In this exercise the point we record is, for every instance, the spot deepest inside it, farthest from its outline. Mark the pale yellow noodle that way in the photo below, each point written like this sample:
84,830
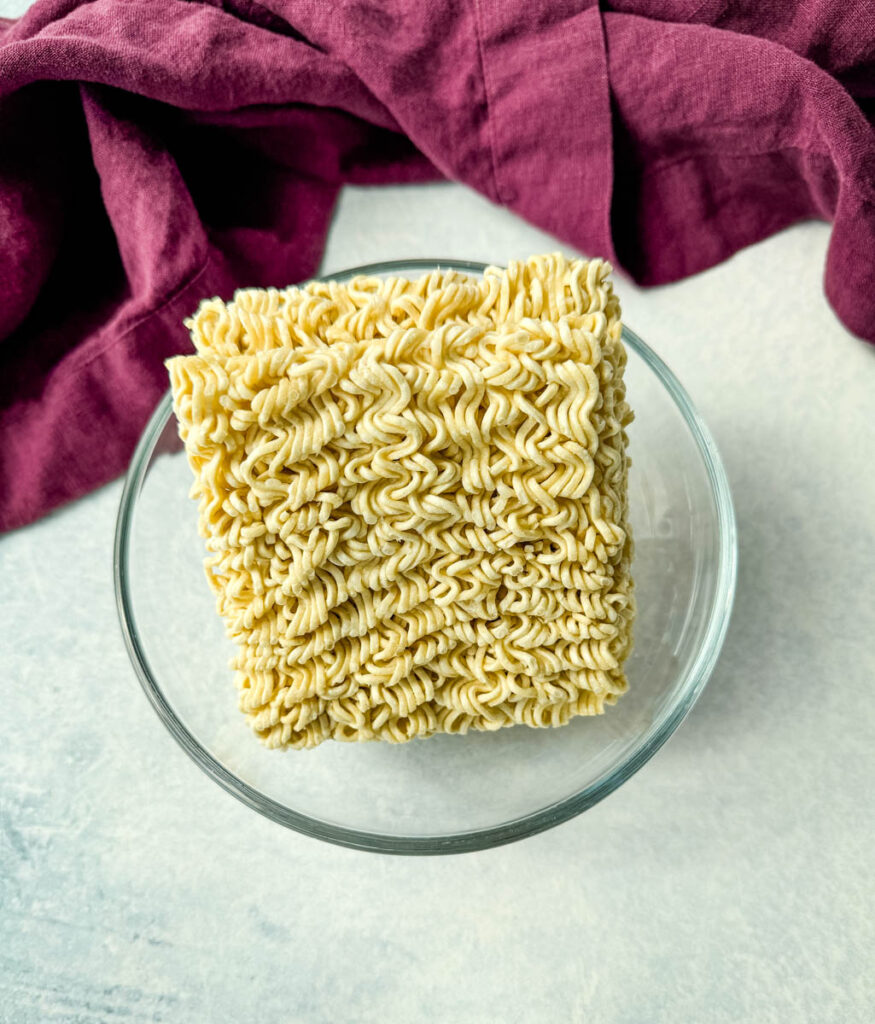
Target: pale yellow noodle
414,499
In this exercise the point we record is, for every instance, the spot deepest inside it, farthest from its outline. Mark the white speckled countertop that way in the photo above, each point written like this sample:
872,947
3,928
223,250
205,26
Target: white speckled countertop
730,880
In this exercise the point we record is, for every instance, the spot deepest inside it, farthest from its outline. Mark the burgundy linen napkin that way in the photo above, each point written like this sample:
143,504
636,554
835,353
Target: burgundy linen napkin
154,152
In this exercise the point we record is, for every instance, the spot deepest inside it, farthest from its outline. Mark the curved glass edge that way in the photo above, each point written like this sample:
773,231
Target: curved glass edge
518,828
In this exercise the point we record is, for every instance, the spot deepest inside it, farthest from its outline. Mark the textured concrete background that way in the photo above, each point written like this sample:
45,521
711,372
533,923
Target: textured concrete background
729,881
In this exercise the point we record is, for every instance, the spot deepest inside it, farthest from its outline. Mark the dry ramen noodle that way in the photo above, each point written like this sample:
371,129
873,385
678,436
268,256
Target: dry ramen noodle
413,495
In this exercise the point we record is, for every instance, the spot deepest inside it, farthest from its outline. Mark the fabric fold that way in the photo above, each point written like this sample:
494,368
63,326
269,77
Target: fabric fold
550,128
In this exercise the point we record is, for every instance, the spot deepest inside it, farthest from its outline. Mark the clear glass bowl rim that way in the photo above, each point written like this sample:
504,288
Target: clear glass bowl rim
538,821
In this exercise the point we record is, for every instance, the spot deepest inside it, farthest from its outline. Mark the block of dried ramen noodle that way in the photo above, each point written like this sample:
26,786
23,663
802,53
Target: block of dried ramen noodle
414,499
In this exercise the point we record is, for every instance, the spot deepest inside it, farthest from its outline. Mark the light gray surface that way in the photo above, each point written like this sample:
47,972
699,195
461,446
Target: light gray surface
14,8
729,881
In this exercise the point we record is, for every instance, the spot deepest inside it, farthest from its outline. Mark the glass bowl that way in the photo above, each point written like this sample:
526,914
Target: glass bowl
446,794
